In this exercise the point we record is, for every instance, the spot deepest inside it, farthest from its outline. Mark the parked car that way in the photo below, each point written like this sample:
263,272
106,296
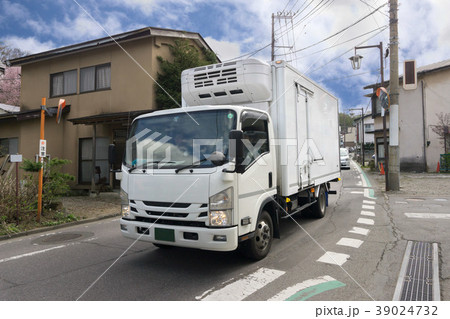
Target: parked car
345,158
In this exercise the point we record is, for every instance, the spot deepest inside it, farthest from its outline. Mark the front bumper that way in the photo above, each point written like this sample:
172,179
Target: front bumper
217,239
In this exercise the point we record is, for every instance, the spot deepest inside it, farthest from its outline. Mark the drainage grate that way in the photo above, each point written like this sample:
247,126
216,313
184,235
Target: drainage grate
419,278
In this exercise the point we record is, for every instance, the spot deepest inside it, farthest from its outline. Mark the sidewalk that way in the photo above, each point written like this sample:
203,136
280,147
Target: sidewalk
418,212
415,184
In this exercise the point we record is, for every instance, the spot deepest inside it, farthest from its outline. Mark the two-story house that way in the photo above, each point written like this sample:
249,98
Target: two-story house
106,83
419,109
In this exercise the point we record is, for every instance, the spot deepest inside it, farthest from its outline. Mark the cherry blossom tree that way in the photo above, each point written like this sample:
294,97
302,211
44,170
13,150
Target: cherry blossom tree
10,81
10,86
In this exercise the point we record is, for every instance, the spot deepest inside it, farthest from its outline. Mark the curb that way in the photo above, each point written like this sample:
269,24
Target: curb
47,228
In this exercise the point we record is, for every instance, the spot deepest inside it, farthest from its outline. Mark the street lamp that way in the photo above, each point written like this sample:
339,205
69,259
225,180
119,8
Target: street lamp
356,61
363,131
356,64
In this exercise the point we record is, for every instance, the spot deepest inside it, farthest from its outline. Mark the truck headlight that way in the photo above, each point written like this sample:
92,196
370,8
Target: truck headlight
125,205
221,208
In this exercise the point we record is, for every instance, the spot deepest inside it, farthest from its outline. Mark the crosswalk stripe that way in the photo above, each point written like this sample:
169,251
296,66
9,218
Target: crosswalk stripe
359,231
350,242
244,287
366,221
366,213
334,258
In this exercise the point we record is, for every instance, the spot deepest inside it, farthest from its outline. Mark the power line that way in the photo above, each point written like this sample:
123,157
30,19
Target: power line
343,30
349,40
345,52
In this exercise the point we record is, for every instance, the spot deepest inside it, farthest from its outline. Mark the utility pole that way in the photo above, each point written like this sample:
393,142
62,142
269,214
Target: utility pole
279,16
273,38
394,158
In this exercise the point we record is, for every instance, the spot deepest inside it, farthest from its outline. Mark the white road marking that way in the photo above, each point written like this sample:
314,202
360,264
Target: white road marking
427,215
288,292
31,254
366,213
366,221
244,287
368,207
359,231
369,202
350,242
334,258
368,195
356,192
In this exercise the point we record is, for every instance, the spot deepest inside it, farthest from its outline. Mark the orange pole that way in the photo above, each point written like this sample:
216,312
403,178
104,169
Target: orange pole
41,159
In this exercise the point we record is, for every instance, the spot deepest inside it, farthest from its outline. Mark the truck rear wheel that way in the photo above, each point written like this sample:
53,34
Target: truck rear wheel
259,245
318,210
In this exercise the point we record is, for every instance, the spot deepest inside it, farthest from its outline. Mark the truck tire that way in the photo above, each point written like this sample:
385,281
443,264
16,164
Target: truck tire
259,245
319,209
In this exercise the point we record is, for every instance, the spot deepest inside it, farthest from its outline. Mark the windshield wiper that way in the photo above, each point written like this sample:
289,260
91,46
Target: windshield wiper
191,165
148,163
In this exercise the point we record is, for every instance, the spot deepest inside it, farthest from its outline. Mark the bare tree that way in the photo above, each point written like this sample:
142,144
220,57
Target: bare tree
442,129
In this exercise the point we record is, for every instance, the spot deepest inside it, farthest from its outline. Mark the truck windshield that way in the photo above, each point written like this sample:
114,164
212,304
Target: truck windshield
178,140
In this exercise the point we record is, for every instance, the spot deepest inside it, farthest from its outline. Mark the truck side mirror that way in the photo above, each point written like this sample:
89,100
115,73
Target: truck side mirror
237,149
111,154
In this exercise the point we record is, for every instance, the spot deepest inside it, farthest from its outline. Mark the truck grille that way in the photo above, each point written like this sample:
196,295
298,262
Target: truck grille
167,213
161,221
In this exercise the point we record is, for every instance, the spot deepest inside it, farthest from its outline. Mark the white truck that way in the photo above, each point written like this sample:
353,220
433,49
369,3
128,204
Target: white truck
253,143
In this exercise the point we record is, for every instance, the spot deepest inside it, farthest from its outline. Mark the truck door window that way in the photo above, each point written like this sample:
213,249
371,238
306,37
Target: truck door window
255,137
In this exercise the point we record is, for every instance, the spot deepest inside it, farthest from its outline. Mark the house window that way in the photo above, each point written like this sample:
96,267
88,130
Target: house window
9,146
95,78
101,161
63,83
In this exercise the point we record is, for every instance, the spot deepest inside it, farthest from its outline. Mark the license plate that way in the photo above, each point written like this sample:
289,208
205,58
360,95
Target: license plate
165,234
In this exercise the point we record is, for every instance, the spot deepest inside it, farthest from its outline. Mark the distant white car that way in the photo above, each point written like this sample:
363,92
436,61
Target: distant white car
345,158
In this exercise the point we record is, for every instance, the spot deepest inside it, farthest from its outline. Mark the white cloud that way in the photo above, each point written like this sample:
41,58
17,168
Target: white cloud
226,50
29,44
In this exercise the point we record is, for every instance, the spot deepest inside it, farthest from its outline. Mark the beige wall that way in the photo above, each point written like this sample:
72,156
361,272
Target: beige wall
132,88
437,100
417,115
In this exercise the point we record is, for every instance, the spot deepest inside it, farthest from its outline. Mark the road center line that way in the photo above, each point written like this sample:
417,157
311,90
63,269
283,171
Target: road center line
31,254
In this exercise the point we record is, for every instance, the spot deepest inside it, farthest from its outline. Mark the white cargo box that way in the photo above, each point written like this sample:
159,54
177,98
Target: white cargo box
305,120
304,115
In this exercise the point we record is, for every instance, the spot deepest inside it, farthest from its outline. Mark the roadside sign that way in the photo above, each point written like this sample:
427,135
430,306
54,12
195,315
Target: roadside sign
16,158
42,148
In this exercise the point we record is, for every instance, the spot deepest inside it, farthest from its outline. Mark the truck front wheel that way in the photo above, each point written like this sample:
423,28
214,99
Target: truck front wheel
259,245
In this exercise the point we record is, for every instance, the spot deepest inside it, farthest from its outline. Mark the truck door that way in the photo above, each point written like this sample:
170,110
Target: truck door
257,181
303,157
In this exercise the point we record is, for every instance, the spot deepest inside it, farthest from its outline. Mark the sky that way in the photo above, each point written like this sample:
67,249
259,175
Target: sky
316,36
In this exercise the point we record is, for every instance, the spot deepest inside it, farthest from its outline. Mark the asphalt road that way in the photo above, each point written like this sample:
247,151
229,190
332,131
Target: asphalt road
340,257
